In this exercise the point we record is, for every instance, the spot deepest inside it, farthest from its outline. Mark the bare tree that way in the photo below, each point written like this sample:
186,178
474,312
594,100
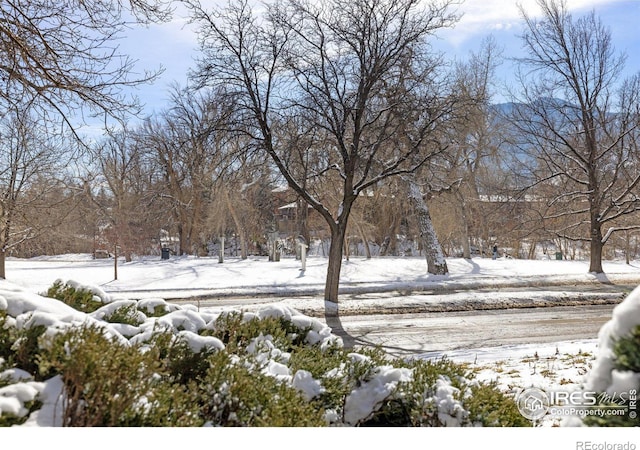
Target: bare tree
334,63
188,146
240,188
579,124
474,164
59,64
63,56
33,163
121,197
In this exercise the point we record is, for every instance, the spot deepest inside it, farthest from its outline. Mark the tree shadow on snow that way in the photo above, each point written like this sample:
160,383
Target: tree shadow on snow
332,319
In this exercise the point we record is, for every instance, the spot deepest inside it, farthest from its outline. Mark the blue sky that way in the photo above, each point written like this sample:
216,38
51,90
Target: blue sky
174,46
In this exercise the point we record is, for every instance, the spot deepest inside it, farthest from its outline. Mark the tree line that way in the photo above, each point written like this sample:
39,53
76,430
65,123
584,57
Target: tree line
346,103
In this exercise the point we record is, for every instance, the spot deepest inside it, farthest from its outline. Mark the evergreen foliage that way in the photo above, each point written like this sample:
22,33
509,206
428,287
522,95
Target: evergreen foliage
164,380
626,352
80,299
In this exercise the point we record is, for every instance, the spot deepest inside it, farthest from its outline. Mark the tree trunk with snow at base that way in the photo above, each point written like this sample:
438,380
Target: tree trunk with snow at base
436,263
334,267
3,264
596,244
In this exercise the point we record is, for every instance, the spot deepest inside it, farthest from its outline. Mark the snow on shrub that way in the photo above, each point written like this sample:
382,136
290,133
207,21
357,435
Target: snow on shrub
604,376
365,399
318,333
14,397
304,382
111,309
277,366
156,306
451,412
198,343
183,320
99,294
615,375
13,375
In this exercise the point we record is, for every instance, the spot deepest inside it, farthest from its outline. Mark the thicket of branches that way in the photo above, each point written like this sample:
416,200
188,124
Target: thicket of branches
320,125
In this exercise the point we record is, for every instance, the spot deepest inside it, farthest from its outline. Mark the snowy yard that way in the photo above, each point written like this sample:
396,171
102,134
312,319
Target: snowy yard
181,277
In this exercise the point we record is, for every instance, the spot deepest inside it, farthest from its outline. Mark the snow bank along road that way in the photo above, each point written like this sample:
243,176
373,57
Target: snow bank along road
402,302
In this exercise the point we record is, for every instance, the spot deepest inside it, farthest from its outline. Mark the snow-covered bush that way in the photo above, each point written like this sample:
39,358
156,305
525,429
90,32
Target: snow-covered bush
615,376
233,394
272,367
75,296
121,311
19,347
17,401
104,380
442,393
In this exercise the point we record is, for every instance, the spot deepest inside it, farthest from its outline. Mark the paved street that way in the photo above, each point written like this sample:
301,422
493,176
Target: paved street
410,334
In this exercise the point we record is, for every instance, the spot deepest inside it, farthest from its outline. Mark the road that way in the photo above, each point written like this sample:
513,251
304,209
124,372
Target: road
421,323
410,334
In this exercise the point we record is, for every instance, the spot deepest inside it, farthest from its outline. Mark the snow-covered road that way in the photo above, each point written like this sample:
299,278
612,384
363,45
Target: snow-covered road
412,334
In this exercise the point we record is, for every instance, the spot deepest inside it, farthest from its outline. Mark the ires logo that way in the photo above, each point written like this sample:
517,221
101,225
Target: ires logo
535,403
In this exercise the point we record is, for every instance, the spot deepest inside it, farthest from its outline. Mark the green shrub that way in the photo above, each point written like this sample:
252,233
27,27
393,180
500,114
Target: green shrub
411,403
7,338
21,347
233,395
237,333
338,371
9,420
79,299
491,408
27,351
128,314
183,365
626,352
471,403
107,383
166,405
158,311
162,382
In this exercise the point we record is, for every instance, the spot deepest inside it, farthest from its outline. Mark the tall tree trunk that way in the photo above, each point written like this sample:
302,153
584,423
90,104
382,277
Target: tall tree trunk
389,244
436,263
182,238
595,259
466,246
532,250
627,247
346,248
365,240
239,227
302,219
221,251
335,262
3,259
115,259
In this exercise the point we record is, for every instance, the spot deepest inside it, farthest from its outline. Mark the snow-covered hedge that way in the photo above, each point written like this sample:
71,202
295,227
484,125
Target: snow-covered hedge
151,363
614,380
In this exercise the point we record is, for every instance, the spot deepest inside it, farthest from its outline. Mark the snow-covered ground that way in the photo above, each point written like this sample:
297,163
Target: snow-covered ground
562,364
181,277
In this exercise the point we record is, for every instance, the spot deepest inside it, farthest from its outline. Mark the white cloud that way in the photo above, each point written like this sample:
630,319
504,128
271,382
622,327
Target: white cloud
483,16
